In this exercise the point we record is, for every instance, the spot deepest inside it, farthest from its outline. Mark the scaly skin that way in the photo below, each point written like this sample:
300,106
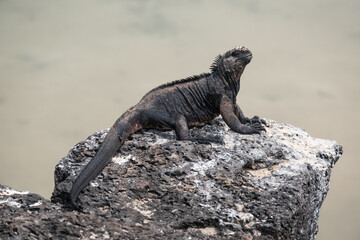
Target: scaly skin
178,105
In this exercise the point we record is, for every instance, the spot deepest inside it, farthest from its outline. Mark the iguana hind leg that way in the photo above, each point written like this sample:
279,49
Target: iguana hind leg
183,133
177,122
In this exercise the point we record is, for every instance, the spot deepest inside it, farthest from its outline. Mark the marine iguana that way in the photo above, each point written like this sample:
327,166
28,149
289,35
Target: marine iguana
178,105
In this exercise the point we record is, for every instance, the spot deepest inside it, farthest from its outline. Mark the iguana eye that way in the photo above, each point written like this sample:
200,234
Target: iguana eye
236,53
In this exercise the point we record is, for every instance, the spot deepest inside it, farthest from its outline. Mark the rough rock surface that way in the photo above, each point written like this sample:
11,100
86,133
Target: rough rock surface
268,186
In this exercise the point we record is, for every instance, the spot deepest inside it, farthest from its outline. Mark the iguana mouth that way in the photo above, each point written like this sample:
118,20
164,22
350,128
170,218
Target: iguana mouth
248,56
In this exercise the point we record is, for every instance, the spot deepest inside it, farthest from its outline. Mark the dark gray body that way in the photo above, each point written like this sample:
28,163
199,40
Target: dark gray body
178,105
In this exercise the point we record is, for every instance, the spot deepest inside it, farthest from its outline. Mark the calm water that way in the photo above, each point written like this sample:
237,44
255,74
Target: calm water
70,68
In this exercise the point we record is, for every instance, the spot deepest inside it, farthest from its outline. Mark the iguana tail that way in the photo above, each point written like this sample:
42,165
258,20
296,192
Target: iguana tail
127,124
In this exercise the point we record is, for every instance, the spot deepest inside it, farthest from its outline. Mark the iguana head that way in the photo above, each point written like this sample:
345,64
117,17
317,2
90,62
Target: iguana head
233,61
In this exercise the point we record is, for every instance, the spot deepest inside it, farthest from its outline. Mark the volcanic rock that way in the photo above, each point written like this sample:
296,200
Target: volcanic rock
267,186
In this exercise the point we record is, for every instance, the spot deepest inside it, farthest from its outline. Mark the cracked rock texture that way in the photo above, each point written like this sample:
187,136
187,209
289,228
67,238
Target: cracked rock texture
268,186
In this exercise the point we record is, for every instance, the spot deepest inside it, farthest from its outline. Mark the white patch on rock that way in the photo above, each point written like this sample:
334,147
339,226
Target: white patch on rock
141,207
8,192
11,202
205,188
94,184
38,203
302,147
208,231
233,214
229,141
122,159
159,141
201,167
257,154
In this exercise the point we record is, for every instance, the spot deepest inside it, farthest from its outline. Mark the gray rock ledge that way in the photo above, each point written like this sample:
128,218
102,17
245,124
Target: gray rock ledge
268,186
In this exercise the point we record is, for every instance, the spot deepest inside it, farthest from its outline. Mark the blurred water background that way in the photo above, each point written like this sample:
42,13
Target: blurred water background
70,68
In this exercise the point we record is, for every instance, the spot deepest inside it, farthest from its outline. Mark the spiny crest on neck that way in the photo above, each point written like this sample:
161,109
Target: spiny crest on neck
214,66
184,80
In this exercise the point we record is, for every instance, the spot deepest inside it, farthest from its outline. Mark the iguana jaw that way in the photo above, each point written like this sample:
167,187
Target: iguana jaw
246,59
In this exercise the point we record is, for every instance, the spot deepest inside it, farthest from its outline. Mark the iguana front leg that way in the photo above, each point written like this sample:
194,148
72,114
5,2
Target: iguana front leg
240,115
236,120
